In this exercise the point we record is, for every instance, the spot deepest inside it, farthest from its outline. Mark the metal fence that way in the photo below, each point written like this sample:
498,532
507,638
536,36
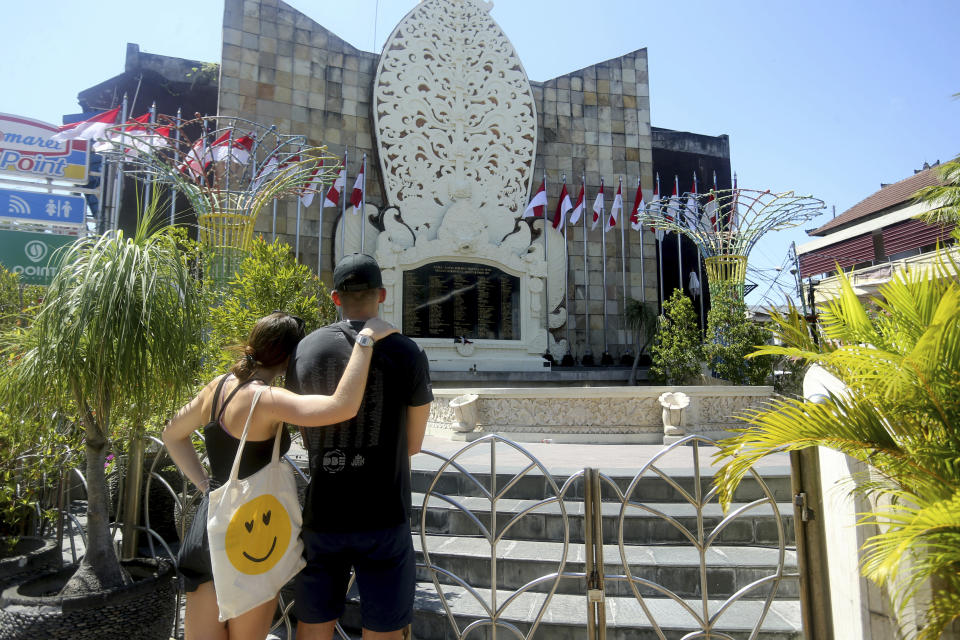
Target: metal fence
595,489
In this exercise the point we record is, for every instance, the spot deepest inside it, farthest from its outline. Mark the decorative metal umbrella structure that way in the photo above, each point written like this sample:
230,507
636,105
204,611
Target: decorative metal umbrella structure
227,168
726,224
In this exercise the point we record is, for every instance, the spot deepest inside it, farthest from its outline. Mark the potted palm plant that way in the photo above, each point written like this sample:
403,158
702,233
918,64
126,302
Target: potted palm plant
118,331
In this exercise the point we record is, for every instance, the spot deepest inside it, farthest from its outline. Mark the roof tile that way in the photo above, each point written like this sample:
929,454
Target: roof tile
888,196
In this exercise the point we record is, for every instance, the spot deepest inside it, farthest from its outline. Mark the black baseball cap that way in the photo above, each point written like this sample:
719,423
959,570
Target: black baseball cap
357,272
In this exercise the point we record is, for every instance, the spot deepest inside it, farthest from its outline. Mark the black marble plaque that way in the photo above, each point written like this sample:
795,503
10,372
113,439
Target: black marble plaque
461,299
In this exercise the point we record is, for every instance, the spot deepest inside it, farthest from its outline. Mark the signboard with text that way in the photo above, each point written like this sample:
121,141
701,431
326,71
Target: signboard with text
49,208
27,151
29,254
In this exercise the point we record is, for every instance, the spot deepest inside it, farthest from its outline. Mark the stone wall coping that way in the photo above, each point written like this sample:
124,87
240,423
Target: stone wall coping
606,392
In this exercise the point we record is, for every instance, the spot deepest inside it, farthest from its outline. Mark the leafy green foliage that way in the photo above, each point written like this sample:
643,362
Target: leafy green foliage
18,302
945,197
677,350
116,336
641,319
731,337
900,414
268,280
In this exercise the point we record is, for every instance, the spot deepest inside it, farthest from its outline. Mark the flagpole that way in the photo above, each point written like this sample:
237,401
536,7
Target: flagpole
323,196
676,190
643,280
363,204
586,266
603,237
118,177
173,192
149,182
274,238
703,318
546,272
343,207
623,267
566,272
659,240
296,250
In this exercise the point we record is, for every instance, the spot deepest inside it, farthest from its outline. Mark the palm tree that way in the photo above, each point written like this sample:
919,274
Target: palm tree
118,332
899,357
945,197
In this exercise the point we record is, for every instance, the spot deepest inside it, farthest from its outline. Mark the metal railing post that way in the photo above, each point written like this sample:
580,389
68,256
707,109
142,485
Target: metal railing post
593,552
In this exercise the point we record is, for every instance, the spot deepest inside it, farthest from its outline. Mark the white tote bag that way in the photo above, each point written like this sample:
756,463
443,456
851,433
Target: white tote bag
254,530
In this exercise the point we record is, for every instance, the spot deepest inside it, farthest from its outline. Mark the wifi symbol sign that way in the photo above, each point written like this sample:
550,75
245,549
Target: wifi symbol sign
18,206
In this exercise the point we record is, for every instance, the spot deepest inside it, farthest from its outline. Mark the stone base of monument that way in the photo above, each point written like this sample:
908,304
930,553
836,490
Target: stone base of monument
614,415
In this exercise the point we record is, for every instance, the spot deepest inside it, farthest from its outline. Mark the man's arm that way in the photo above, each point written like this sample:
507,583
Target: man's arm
416,427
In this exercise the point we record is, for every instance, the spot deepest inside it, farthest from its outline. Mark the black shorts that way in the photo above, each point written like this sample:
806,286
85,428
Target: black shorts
385,566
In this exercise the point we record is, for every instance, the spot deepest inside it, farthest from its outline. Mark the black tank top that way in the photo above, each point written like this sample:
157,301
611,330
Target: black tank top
222,447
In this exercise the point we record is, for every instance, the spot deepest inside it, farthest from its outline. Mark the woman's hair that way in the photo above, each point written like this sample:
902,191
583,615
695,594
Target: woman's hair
272,339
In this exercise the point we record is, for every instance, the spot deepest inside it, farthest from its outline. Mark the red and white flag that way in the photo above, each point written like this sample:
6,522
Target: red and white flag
710,211
657,205
692,211
577,208
92,129
226,148
332,199
538,205
128,135
196,159
563,206
673,205
638,206
356,198
310,187
267,169
616,210
597,207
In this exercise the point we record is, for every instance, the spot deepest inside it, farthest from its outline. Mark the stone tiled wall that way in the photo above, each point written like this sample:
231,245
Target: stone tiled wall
595,122
281,67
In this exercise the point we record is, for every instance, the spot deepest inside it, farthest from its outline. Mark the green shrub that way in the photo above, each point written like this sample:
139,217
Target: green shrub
268,280
677,349
731,337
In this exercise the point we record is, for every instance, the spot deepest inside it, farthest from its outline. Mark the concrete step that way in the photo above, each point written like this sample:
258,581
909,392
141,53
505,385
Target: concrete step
650,488
565,616
754,527
675,567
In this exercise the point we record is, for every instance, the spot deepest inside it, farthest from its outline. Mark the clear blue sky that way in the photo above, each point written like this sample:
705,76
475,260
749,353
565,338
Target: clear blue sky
825,98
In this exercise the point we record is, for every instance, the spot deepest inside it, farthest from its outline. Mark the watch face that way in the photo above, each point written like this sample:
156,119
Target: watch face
364,341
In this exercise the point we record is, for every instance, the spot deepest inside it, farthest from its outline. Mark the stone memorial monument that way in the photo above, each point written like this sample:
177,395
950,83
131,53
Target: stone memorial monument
456,127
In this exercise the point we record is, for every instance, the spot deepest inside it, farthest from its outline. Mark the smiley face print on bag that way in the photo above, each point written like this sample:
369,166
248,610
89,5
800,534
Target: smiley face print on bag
258,535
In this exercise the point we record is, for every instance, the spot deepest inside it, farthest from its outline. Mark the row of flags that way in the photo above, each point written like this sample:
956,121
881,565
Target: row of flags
672,209
139,134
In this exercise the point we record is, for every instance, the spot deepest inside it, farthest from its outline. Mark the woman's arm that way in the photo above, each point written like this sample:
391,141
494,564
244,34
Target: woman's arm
176,437
317,410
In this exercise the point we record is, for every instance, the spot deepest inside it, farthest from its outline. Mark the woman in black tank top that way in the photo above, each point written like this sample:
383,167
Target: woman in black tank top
265,357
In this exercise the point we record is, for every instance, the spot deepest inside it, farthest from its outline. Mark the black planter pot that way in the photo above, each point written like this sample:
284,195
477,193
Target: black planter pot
143,609
29,557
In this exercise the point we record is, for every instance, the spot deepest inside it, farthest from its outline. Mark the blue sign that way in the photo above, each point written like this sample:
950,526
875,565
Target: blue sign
48,208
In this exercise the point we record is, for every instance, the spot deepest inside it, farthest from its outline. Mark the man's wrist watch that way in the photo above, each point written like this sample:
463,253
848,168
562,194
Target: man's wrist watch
364,340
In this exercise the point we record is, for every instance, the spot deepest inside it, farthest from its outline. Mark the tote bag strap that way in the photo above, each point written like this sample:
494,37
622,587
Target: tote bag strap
235,470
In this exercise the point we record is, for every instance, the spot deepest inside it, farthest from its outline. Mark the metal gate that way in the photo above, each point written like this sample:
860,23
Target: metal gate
589,487
598,489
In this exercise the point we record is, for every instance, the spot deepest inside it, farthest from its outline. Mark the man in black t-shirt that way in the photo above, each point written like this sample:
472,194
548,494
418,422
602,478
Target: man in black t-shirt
356,512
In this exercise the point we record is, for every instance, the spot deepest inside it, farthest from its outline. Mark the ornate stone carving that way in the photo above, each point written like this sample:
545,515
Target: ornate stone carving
720,411
456,124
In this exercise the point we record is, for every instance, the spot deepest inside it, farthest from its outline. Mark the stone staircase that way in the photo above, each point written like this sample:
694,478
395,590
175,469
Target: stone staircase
745,549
